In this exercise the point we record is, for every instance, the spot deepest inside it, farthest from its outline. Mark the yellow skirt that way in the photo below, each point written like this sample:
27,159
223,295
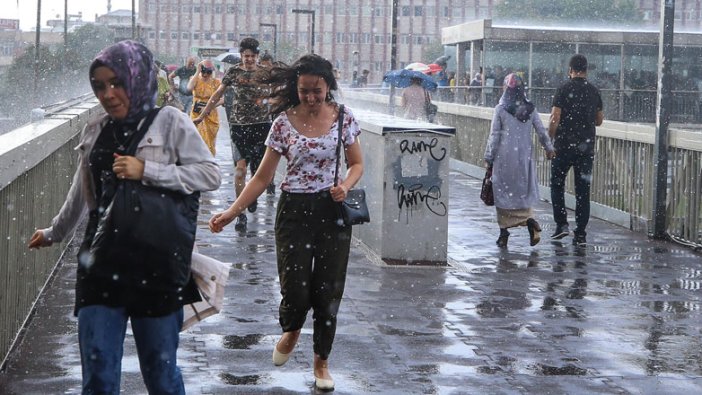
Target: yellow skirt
510,218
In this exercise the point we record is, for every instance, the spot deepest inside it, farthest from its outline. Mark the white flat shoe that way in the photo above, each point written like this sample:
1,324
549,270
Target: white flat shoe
324,384
279,358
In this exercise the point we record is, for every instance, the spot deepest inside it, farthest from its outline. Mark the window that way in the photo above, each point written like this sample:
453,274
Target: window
418,11
185,36
231,37
174,35
405,11
152,35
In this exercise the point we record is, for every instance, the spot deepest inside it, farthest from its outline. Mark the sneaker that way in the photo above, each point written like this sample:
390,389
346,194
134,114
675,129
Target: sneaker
579,240
561,232
270,189
241,221
252,208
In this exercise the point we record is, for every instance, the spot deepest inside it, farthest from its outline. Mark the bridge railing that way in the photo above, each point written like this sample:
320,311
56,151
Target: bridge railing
623,176
37,162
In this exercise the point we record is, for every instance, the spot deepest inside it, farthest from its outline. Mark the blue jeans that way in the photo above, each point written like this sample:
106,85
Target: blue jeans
582,167
101,332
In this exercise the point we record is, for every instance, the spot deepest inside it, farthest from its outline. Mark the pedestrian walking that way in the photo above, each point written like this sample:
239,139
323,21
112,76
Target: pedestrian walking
414,100
312,244
509,153
250,120
184,73
110,291
203,84
576,111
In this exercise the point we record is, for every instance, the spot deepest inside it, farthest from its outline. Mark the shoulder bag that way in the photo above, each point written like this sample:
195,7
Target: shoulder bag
486,194
353,210
147,232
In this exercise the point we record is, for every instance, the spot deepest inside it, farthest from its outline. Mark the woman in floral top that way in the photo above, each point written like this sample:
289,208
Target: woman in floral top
312,243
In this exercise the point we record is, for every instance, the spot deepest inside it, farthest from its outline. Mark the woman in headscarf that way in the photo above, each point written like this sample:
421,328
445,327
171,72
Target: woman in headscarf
509,153
203,84
109,292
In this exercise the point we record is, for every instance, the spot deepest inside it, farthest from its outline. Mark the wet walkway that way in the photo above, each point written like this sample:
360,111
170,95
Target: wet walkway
621,316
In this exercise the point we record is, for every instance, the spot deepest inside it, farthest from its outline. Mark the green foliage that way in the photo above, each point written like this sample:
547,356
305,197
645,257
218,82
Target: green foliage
568,11
61,73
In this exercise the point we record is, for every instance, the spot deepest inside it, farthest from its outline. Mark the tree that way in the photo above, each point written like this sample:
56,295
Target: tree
544,12
62,74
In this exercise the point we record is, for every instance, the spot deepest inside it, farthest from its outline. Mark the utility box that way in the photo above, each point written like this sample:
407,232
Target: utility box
406,178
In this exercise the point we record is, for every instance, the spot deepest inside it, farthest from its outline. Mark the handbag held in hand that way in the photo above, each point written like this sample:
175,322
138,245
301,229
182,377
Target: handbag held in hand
486,194
353,210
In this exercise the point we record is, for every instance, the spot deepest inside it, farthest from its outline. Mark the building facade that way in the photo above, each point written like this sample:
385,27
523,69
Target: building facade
353,34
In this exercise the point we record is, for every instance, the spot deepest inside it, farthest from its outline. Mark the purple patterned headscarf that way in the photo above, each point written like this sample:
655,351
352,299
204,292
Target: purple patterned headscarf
514,98
133,64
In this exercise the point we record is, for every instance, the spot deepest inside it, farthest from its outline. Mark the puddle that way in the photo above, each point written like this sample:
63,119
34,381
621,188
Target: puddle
234,342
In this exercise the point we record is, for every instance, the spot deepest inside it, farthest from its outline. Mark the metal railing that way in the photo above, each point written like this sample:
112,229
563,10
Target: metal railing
623,177
37,162
630,105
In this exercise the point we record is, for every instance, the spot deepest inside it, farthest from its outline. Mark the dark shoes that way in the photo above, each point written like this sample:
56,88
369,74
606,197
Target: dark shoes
241,221
579,240
561,232
534,231
252,208
502,240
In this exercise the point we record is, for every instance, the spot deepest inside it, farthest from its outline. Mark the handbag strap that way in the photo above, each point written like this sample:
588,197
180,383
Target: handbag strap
141,131
338,144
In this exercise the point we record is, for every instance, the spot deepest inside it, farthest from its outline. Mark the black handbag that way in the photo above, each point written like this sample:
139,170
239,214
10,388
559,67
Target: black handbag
486,193
148,232
353,210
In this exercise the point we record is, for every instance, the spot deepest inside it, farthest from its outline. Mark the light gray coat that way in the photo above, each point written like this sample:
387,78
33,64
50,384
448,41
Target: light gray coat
510,150
171,138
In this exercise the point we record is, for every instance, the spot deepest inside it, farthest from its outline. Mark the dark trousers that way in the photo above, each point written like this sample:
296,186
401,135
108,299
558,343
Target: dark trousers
313,253
582,168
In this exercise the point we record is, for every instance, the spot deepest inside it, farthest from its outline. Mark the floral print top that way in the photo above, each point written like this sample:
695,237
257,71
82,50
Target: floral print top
311,161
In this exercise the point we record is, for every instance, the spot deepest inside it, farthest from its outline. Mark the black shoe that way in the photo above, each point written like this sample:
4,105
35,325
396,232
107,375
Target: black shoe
241,221
270,189
561,232
580,240
252,208
502,240
534,231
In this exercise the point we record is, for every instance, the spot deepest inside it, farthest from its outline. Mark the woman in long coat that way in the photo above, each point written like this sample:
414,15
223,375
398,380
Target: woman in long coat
509,153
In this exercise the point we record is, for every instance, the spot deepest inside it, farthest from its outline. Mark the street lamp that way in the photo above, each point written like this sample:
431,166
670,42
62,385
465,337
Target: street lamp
309,12
275,37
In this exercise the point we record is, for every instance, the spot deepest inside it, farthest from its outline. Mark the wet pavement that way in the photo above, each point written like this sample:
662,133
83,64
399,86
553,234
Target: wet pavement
620,316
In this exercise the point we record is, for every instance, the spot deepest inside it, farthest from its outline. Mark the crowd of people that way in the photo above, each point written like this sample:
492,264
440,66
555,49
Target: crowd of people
156,145
157,140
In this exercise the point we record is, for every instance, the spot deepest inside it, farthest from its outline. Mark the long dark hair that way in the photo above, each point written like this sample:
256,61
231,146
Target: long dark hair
285,79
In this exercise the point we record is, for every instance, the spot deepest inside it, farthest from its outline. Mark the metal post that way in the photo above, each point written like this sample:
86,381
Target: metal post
65,35
665,81
393,55
134,36
36,55
275,37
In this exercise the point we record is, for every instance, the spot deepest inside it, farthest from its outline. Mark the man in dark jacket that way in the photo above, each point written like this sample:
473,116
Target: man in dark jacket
576,111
